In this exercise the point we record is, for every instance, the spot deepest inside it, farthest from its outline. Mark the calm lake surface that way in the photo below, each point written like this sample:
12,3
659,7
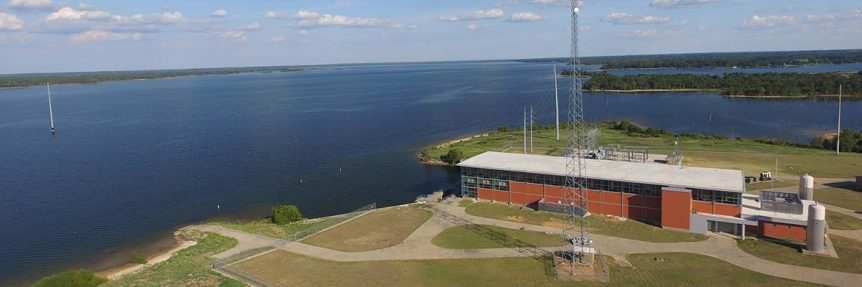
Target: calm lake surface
134,160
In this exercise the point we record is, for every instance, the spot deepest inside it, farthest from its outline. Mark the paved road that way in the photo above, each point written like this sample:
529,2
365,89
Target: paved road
418,246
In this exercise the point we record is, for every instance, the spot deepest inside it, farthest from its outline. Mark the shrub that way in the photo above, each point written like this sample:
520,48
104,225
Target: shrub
72,278
286,213
453,157
502,129
137,258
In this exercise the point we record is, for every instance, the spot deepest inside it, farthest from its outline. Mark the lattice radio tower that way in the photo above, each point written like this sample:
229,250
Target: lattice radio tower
576,160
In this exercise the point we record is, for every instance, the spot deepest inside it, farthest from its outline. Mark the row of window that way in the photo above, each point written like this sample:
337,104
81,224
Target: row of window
715,196
499,180
495,179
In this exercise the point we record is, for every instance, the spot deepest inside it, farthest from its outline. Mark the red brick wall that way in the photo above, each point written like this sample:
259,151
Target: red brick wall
716,208
781,230
676,209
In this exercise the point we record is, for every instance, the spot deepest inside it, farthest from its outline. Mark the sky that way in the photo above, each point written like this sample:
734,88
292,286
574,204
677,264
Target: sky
94,35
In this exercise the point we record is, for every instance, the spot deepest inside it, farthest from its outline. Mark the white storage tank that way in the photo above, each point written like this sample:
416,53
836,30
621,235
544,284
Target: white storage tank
816,229
806,187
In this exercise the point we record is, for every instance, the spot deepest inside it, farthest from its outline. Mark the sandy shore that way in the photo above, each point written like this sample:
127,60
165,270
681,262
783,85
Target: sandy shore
130,268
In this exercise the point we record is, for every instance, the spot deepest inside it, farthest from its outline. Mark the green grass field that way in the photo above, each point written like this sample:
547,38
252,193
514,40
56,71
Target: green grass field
787,252
486,236
842,197
189,267
842,222
378,229
631,229
747,155
676,269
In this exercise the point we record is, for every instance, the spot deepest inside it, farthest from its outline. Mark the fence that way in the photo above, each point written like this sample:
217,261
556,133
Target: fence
328,222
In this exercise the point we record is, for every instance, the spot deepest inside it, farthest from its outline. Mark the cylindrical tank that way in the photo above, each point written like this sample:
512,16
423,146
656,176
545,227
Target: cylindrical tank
816,228
806,187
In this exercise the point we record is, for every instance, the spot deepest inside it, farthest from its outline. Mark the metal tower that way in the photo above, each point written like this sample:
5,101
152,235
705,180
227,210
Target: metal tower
576,159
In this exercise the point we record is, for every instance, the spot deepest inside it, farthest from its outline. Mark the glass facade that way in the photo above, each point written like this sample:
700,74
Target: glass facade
473,178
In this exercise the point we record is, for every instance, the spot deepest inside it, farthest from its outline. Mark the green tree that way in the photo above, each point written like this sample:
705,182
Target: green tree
286,213
72,278
453,157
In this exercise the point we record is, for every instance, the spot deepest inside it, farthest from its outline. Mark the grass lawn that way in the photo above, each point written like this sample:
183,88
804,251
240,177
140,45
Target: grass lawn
787,252
747,155
486,236
676,269
378,229
189,267
266,228
841,197
599,224
842,222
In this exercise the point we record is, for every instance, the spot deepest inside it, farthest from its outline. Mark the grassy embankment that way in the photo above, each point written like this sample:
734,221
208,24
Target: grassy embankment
265,227
787,252
842,197
486,236
378,229
189,267
631,229
676,269
745,154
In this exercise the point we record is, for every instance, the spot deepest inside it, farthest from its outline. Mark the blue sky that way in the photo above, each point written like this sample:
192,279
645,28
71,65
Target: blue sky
68,35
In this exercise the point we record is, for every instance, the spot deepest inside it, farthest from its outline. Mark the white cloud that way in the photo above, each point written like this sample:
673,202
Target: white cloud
765,22
494,13
31,4
679,3
652,33
155,18
628,19
99,35
252,26
525,17
220,13
70,14
473,26
277,15
236,35
276,39
555,2
306,15
819,18
304,32
10,22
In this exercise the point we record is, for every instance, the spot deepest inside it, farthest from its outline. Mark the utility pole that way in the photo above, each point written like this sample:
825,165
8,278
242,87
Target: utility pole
838,136
531,129
557,102
525,130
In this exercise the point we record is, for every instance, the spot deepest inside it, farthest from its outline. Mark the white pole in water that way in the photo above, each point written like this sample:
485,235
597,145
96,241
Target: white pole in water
838,137
557,102
531,129
525,130
50,107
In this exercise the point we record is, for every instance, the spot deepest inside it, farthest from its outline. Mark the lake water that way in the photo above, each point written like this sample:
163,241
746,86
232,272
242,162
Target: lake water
133,160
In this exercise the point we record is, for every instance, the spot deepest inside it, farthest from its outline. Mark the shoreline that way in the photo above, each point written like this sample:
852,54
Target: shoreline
113,273
424,159
633,91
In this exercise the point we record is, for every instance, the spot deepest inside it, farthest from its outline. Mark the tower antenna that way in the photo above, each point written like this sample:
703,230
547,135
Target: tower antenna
582,252
838,136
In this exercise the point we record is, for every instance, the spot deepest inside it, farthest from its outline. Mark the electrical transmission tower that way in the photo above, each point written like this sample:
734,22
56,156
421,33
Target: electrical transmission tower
578,148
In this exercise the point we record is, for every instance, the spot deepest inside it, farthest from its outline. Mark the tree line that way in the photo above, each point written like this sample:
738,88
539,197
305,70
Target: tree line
26,80
713,60
757,85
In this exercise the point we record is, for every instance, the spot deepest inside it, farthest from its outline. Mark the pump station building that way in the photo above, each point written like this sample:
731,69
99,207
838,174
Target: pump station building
695,199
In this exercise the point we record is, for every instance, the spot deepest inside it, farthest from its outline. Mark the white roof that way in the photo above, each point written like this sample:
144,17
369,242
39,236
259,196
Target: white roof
658,174
752,209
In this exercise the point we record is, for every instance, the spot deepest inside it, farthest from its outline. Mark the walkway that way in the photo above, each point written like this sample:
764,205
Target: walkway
418,246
